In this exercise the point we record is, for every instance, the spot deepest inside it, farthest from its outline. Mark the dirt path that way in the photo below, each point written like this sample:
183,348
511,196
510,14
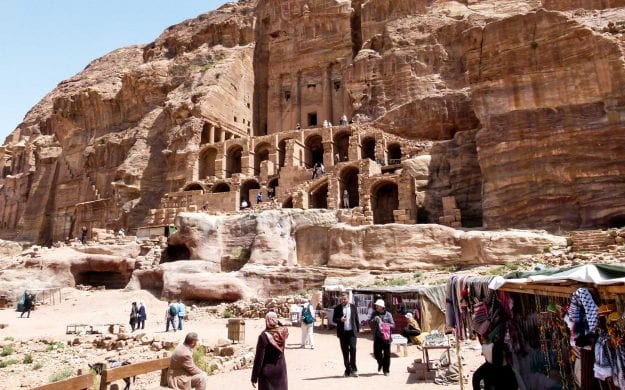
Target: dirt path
316,369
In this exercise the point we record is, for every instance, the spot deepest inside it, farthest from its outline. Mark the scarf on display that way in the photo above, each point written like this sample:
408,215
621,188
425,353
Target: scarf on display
276,334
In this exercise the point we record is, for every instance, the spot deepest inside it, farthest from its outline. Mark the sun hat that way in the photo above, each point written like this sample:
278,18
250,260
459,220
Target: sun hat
379,302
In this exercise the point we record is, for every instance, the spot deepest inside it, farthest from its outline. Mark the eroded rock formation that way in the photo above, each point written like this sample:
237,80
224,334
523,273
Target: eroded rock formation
514,108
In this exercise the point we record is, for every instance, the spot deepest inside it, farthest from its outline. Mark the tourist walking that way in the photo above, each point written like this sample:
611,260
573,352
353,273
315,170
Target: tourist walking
134,316
142,316
183,374
182,312
27,304
269,369
259,198
345,199
170,316
307,325
343,120
381,323
322,169
347,327
314,171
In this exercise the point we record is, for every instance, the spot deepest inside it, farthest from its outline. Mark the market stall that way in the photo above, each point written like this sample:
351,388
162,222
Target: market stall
330,297
426,303
560,329
463,293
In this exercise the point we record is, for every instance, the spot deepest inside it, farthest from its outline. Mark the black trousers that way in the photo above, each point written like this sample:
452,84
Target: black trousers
494,377
348,347
382,353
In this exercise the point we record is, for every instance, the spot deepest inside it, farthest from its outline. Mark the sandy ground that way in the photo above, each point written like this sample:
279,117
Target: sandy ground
316,369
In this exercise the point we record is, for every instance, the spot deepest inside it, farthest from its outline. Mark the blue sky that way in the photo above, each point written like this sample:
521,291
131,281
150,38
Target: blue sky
44,42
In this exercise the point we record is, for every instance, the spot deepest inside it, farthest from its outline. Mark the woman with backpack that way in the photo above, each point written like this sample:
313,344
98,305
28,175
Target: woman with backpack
308,323
381,323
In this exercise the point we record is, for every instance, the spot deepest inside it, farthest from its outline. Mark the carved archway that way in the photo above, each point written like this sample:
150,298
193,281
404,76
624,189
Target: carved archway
207,162
384,200
271,186
319,197
261,153
394,153
233,160
288,203
341,145
368,148
245,188
193,187
282,152
220,187
314,150
349,182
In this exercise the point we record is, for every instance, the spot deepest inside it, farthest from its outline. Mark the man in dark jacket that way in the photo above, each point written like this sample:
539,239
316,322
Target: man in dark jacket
347,327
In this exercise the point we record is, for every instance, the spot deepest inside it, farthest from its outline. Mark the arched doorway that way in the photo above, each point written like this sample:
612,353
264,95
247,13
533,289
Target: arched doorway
207,162
349,182
233,160
341,145
271,187
314,150
220,187
246,187
261,153
394,154
368,148
193,187
282,152
319,197
384,199
206,134
288,204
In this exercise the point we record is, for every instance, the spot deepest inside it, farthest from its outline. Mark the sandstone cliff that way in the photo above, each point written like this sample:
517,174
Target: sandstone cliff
520,101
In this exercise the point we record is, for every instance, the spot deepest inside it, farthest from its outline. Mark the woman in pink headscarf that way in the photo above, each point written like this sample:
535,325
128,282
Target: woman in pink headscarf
269,364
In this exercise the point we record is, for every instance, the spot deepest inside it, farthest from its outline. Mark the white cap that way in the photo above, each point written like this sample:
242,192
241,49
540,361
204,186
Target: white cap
409,315
379,302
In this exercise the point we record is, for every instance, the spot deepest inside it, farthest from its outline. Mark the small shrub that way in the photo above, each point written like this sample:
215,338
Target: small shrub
37,366
199,357
27,359
8,338
495,271
55,345
418,275
514,266
60,375
227,314
449,268
6,363
7,350
547,249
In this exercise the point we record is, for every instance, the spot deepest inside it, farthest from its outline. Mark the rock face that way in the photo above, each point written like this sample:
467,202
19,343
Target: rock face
549,98
306,238
516,105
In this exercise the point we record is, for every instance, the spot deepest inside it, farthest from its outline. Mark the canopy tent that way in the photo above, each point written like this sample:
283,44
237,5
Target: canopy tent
609,278
599,274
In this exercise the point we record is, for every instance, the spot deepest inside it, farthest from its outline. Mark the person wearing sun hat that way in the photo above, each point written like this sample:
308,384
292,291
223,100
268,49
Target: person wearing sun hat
412,330
381,323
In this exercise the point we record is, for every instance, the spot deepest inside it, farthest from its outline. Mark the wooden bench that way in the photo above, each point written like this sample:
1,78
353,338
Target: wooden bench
110,375
80,382
400,341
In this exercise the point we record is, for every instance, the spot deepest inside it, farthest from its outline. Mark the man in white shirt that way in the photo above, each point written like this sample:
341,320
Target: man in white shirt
347,328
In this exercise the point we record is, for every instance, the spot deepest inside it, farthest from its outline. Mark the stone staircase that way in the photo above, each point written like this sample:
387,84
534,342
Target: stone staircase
590,240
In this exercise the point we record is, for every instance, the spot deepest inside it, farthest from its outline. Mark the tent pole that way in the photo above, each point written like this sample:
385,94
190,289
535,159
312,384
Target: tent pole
460,373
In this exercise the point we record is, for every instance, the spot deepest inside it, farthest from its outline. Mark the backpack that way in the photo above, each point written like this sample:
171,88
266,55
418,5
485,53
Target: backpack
385,331
172,310
307,316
